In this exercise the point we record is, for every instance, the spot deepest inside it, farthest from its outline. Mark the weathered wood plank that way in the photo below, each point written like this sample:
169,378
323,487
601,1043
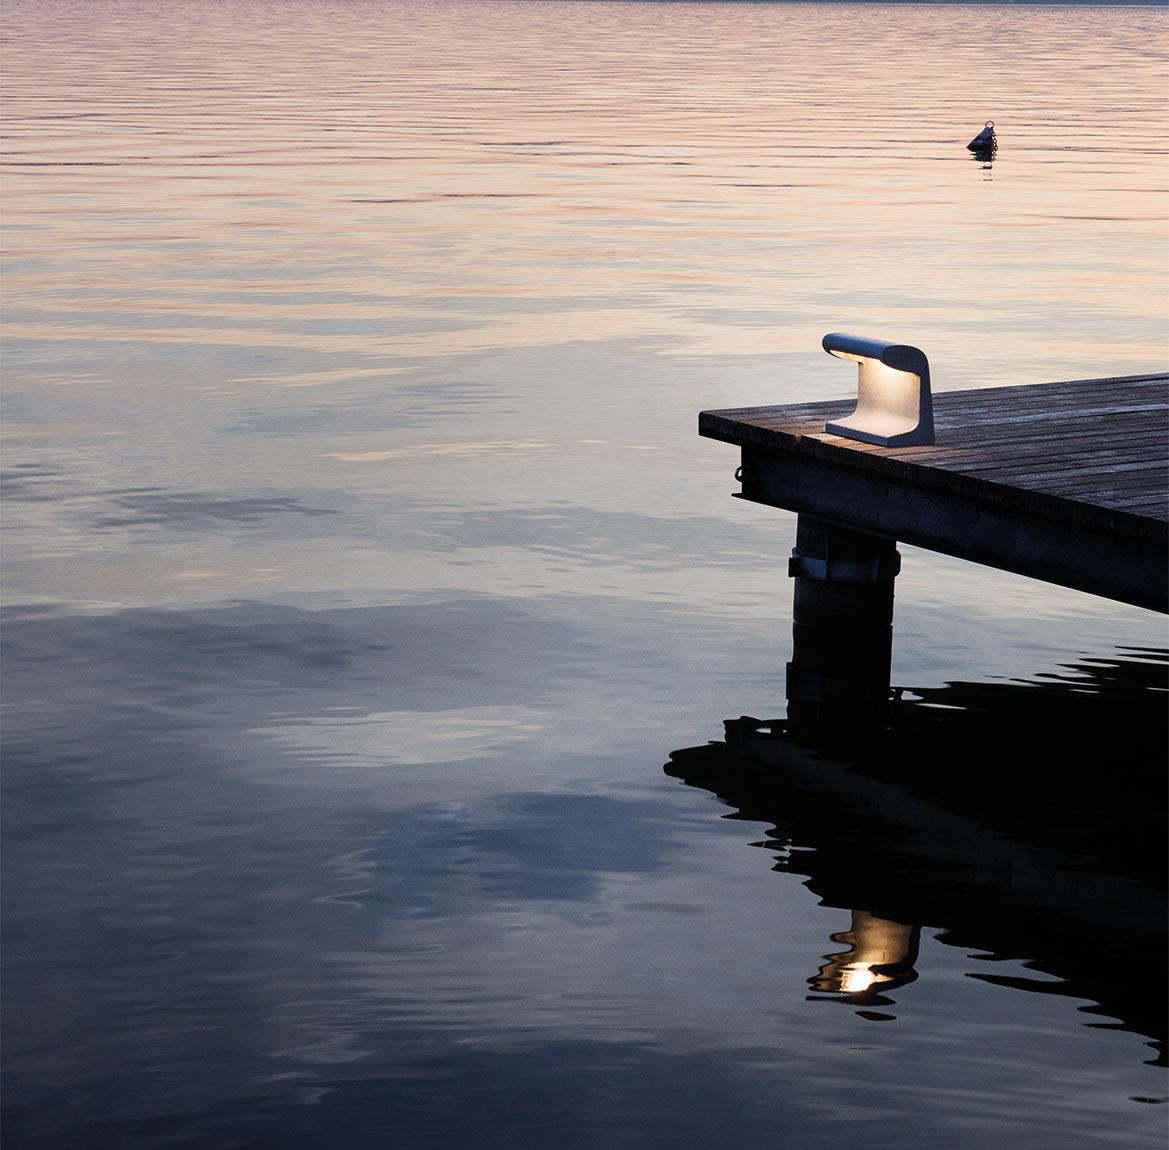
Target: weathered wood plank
1141,504
1152,448
1068,470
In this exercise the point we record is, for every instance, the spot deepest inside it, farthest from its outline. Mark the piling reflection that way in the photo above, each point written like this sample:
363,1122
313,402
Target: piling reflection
1025,819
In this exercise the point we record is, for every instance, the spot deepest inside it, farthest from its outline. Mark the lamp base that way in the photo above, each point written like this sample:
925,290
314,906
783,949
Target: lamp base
902,436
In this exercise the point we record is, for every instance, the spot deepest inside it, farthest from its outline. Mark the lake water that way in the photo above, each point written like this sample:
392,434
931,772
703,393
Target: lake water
364,570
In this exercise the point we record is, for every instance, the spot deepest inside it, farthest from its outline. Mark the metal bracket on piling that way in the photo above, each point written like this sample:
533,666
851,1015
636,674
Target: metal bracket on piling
831,570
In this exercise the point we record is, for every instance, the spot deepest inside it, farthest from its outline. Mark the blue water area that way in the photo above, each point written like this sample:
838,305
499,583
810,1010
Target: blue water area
395,748
348,926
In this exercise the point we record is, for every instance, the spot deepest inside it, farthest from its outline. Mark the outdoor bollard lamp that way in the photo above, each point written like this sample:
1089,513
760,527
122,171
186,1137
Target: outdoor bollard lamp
893,406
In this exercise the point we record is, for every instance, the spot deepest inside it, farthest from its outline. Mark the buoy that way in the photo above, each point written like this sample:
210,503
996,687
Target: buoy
984,141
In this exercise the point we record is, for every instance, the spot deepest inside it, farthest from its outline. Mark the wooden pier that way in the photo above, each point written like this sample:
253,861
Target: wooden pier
1063,482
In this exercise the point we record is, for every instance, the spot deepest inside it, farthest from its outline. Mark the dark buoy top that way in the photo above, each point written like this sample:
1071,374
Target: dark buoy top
984,141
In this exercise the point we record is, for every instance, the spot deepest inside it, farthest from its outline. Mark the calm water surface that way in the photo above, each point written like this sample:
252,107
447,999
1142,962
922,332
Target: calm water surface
365,569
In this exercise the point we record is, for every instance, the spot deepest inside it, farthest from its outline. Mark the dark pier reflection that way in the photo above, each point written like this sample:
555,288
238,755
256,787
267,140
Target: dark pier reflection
1026,820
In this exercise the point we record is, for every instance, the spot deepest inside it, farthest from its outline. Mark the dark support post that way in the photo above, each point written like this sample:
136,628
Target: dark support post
838,679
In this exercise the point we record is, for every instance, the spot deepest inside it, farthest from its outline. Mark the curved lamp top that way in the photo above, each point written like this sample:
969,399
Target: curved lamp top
900,356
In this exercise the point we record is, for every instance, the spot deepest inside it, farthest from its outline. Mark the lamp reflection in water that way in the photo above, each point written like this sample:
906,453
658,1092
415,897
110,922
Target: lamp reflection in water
894,405
880,957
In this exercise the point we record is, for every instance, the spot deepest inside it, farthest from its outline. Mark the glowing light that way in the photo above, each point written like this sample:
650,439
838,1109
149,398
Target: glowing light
881,953
857,978
894,405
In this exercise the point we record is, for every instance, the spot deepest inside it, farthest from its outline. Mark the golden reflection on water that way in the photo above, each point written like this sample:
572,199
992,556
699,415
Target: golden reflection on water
386,182
880,956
